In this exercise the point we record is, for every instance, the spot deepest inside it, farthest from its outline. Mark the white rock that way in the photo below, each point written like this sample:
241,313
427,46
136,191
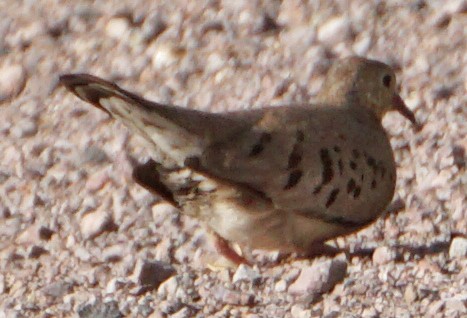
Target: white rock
215,62
97,181
362,45
298,311
435,308
383,255
334,31
298,38
113,253
369,312
161,210
12,80
95,223
168,288
26,127
281,286
319,278
455,6
246,273
2,284
410,294
114,284
29,236
458,248
166,54
182,313
117,27
82,254
457,303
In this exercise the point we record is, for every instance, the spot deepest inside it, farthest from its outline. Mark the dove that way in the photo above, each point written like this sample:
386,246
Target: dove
283,178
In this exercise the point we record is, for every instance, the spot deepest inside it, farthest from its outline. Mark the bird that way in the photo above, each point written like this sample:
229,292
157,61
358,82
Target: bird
278,178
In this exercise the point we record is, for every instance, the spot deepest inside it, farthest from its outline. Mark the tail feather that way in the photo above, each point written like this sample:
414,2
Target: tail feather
147,175
173,130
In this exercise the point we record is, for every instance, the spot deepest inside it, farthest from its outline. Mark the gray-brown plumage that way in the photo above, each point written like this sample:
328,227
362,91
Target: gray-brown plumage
277,178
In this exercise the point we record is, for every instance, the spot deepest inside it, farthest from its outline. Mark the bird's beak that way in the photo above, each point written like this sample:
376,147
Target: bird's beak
402,108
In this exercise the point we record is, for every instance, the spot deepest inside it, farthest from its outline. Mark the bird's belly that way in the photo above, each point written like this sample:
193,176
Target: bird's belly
270,229
262,228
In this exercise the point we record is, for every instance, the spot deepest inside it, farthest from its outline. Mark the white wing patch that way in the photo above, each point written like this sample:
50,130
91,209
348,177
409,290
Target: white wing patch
172,139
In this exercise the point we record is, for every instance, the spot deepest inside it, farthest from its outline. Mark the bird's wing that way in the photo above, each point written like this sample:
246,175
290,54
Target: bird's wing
298,158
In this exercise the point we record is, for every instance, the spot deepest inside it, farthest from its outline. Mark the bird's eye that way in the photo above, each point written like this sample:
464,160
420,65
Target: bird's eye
387,80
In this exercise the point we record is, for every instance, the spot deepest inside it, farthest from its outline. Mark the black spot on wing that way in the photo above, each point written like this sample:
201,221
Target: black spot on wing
340,164
327,171
371,162
332,197
351,185
256,150
317,189
295,156
383,170
353,188
357,191
326,161
259,146
294,179
300,136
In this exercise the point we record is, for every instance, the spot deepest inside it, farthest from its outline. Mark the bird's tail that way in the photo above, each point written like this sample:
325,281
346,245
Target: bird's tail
175,131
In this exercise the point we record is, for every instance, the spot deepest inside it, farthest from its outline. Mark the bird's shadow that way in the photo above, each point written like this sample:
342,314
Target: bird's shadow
404,249
403,253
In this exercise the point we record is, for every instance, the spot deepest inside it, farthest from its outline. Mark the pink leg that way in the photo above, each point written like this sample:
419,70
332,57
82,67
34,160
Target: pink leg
224,248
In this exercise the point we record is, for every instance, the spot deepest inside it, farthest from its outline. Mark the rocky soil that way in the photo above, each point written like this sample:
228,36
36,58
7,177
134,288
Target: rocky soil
78,238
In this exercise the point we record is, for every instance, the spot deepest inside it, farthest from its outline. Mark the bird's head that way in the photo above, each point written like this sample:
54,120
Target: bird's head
363,82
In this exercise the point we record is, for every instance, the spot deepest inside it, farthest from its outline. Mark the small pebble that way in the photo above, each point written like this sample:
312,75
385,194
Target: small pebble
12,80
95,223
117,27
334,31
319,278
458,248
246,273
23,128
383,255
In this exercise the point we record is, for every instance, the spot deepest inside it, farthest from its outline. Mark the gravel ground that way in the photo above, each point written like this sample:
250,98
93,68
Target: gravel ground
79,239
